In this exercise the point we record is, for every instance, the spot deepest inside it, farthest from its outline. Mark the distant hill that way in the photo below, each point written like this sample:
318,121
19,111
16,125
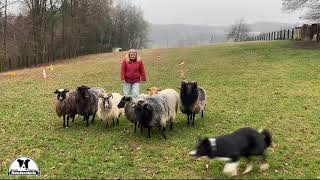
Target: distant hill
180,34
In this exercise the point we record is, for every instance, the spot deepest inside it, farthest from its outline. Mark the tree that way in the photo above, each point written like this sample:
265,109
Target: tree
239,31
312,8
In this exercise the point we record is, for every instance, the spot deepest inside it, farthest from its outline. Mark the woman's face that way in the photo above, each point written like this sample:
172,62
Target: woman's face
133,55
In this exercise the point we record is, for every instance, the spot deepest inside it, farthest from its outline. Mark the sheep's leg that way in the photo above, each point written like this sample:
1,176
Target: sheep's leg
64,120
171,126
67,122
118,121
87,120
135,127
73,118
141,129
113,122
202,113
188,115
162,132
139,124
149,129
94,115
193,115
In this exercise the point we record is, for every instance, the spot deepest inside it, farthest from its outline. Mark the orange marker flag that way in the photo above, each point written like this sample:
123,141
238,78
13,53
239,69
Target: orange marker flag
44,74
182,70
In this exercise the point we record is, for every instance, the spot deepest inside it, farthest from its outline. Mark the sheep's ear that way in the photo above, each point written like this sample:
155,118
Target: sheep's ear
148,106
100,95
56,92
159,89
148,89
110,95
179,88
66,91
128,98
184,82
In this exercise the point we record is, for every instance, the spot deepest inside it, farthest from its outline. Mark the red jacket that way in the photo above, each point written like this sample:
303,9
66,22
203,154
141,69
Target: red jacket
132,71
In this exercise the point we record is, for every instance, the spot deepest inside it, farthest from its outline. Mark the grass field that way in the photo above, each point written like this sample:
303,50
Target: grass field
262,85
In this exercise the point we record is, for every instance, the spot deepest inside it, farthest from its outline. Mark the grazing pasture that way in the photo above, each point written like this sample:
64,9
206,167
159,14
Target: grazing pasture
272,85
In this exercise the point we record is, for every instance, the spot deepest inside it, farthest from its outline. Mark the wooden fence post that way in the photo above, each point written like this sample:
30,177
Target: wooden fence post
288,34
292,35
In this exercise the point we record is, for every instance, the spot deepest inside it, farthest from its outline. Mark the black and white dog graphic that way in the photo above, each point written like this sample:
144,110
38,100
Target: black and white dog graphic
23,164
245,142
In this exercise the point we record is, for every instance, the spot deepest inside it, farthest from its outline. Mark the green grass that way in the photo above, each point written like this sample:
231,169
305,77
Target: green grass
262,85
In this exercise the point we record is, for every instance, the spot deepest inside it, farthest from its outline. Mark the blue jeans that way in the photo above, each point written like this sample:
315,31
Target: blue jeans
131,88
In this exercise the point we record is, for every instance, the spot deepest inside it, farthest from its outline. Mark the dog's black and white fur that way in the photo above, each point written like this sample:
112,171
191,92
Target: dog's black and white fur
245,142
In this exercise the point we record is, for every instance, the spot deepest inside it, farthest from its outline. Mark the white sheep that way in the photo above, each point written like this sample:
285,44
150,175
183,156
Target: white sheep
107,107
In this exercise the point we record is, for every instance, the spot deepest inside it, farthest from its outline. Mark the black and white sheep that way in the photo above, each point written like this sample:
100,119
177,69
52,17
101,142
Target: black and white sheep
156,111
87,101
107,107
129,103
66,105
193,99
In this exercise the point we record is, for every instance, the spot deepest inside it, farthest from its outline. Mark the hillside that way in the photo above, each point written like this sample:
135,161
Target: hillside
269,85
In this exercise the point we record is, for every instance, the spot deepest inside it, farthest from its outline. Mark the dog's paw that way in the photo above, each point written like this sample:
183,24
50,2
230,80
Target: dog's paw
264,167
248,169
231,169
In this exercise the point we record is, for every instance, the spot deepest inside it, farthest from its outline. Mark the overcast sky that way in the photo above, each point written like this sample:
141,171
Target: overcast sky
214,12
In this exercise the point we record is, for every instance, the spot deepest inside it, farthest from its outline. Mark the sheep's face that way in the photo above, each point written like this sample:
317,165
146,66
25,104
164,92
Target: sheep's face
106,101
143,111
123,101
83,91
189,88
61,94
153,91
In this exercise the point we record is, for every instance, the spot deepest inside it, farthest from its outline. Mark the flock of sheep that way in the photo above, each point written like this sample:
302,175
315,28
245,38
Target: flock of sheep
156,109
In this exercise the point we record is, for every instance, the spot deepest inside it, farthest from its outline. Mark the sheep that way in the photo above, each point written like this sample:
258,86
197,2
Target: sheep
65,105
107,107
153,91
156,111
87,102
193,99
128,103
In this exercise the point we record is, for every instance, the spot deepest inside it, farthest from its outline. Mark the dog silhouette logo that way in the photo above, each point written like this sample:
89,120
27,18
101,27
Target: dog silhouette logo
24,166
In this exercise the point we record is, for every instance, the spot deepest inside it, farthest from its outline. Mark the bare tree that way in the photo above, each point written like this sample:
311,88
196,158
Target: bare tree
4,31
239,31
312,7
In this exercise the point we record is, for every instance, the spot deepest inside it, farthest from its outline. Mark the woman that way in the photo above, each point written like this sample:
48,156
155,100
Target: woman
132,73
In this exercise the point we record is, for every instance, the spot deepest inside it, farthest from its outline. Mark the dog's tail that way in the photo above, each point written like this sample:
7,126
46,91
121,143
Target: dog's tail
267,137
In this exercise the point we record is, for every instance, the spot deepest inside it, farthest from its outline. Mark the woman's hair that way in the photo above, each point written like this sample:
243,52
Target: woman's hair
127,57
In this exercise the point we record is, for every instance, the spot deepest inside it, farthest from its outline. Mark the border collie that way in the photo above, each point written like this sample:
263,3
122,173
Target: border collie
245,142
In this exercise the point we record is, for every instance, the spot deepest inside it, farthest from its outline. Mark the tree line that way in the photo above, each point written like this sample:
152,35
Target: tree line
42,31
